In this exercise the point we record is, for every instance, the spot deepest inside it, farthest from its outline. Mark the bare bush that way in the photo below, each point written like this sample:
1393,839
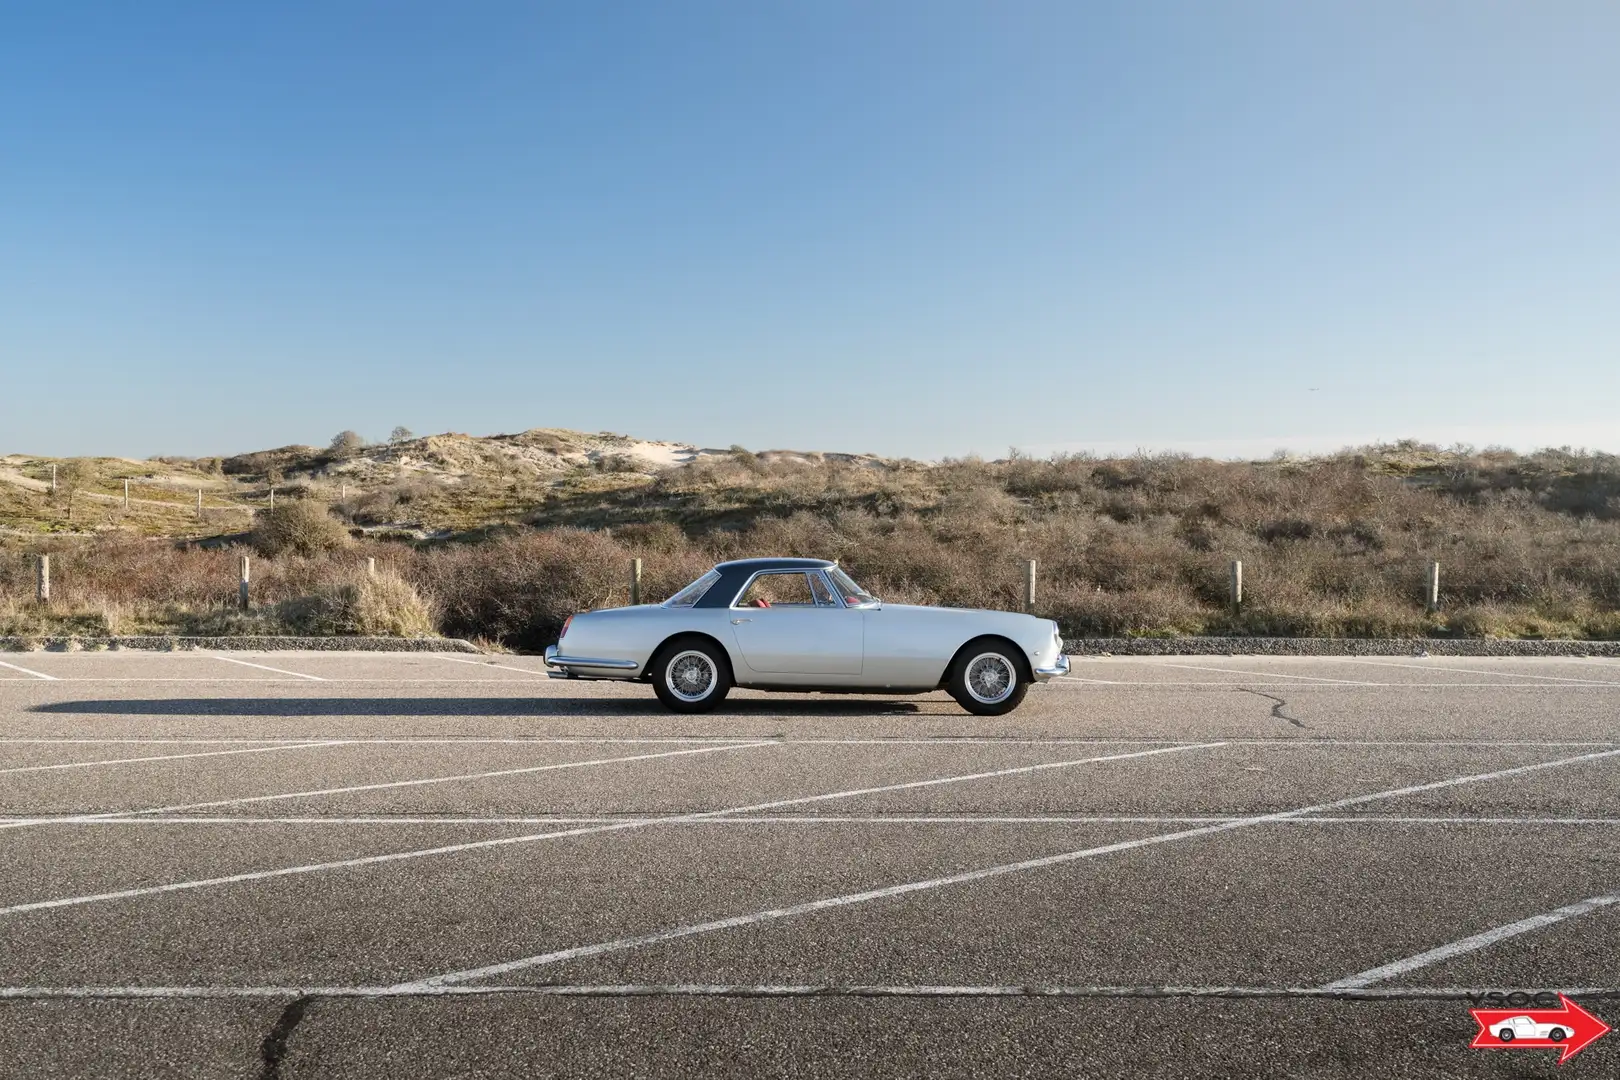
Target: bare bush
301,527
1529,545
384,605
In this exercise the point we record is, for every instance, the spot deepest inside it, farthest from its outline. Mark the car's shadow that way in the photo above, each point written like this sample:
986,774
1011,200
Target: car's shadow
419,706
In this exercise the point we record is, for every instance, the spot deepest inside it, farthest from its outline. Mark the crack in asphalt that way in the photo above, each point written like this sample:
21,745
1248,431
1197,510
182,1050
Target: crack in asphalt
1278,705
274,1048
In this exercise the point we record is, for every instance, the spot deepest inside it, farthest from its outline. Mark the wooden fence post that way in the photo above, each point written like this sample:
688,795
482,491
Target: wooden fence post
1029,587
53,478
43,585
371,566
272,498
1431,590
199,504
126,494
635,582
1237,585
243,587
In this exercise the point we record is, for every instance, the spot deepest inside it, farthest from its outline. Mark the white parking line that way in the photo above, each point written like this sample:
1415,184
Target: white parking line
1477,671
1264,674
490,663
811,819
29,671
247,799
262,667
1327,684
619,990
624,944
475,845
972,741
171,757
1470,944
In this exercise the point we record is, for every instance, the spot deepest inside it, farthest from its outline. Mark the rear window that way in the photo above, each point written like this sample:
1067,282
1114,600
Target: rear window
693,592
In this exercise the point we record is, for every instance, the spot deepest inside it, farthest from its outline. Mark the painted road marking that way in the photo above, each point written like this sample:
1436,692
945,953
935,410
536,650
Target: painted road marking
262,667
1458,993
1470,944
807,819
29,671
1327,684
1478,671
489,663
21,822
1265,674
172,757
826,903
941,740
448,849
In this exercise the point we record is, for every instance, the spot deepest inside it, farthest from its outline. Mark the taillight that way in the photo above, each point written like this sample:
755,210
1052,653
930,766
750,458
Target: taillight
565,628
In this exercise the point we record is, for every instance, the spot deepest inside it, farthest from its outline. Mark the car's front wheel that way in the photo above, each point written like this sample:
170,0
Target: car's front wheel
1556,1034
691,675
987,679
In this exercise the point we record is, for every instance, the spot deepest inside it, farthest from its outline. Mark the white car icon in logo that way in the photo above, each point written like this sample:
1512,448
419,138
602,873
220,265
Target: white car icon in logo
1522,1027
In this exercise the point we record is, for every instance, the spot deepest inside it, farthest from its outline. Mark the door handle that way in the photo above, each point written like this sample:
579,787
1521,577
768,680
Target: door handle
739,622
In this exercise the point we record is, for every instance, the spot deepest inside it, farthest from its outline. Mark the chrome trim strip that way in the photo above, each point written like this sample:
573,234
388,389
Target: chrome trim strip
1061,667
553,659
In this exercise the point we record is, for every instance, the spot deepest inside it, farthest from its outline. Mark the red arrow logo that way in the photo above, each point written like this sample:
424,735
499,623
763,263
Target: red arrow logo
1569,1028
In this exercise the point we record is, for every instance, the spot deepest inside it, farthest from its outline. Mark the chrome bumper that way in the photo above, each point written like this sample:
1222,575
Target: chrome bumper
563,667
1059,667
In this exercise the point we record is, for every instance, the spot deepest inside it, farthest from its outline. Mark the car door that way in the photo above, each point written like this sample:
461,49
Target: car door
789,623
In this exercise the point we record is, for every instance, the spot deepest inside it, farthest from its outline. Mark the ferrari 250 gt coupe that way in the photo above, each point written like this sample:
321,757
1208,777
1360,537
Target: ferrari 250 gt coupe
803,625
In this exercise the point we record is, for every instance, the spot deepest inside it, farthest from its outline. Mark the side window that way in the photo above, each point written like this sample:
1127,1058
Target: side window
791,589
823,595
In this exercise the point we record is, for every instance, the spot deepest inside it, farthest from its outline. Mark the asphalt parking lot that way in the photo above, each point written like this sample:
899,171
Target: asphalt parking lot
428,865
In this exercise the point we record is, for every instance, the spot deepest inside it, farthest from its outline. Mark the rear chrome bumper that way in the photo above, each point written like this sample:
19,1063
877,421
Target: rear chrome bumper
1059,667
568,667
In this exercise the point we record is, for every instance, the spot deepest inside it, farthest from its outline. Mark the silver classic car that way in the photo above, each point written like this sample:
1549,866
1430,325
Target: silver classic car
804,625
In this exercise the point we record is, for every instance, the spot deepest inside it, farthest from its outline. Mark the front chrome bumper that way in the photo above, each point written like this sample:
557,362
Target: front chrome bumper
563,667
1059,667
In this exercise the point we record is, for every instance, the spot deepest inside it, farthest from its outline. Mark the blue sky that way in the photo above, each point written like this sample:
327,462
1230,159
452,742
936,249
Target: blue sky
921,227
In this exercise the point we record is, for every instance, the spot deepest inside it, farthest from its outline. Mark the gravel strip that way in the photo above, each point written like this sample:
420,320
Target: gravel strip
1274,646
1185,646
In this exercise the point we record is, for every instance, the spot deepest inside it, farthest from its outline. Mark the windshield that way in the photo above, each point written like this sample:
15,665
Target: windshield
693,592
853,593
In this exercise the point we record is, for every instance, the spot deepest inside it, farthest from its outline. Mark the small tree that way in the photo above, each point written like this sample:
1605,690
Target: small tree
401,434
346,444
71,475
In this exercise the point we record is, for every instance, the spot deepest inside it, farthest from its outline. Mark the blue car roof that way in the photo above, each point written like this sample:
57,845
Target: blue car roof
754,565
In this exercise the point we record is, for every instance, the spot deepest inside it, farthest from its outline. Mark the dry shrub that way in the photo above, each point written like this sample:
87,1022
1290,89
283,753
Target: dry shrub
301,527
519,589
1529,545
384,605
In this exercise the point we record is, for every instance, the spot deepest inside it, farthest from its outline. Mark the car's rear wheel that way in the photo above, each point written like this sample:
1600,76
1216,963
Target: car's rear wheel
987,679
691,675
1506,1035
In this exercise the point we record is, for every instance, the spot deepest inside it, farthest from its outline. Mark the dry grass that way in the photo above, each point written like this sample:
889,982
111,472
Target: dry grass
1529,545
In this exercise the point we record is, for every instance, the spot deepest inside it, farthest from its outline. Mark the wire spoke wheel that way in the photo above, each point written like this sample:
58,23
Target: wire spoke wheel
691,675
991,678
